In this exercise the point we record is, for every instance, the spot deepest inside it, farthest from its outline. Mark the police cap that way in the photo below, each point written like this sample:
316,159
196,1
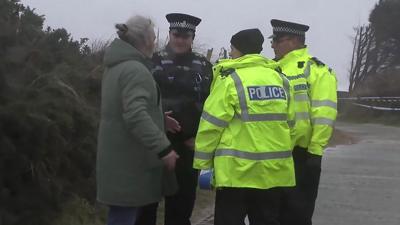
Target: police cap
281,28
182,22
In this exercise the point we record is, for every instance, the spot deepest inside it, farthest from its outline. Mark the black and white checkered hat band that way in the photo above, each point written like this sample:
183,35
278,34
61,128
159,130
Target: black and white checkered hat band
288,30
182,25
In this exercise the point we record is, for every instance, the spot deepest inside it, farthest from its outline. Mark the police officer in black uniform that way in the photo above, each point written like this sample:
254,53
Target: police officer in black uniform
184,79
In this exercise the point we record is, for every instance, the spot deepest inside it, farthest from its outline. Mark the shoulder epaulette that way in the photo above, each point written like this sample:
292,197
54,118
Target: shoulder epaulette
226,72
278,69
317,61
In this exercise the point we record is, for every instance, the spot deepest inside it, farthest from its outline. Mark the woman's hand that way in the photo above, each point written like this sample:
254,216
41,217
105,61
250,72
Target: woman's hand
171,124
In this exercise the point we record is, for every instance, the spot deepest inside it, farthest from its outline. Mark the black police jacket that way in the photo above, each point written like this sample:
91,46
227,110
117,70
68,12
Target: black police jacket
184,81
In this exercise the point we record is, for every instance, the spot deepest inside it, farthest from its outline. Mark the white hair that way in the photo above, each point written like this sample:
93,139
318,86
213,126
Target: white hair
136,30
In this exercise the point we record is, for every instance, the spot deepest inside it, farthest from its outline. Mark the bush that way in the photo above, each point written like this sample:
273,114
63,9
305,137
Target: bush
49,109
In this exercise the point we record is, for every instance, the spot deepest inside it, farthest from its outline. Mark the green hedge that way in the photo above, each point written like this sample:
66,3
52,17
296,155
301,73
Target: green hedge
49,97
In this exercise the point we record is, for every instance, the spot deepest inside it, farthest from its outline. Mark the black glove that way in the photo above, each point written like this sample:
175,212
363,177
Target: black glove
312,174
313,161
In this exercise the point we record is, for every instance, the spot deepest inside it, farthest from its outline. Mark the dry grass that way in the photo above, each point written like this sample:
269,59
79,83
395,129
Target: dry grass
80,212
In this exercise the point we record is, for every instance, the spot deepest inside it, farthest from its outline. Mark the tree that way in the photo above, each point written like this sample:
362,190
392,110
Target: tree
366,58
385,20
376,51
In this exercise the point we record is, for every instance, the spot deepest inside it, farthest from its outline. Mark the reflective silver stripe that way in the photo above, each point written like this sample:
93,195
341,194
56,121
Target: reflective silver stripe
241,96
214,120
203,155
301,98
264,117
166,61
296,77
302,116
286,86
328,103
300,87
196,62
253,155
307,69
185,68
157,68
323,121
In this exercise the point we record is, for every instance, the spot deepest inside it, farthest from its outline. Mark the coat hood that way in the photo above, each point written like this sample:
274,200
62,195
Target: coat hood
121,51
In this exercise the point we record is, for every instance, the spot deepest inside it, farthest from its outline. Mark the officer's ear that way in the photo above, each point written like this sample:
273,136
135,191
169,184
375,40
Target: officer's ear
299,40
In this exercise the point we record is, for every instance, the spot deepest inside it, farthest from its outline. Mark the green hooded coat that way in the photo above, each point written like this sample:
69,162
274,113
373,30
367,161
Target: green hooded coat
131,134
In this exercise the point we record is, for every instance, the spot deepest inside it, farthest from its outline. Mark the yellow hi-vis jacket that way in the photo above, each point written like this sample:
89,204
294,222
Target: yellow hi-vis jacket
244,133
315,98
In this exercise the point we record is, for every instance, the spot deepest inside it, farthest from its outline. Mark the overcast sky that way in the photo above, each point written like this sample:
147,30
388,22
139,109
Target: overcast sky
329,38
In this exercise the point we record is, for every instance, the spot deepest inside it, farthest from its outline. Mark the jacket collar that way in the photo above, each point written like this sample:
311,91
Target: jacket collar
295,55
173,55
248,60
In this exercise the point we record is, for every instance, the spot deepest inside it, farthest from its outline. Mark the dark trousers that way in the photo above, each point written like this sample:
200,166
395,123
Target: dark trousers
178,207
298,203
233,204
118,215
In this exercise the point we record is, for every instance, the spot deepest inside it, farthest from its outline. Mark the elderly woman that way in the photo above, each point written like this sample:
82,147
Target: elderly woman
134,159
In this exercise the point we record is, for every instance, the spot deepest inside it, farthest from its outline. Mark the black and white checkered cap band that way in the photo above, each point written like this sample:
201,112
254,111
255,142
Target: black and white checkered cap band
182,25
288,30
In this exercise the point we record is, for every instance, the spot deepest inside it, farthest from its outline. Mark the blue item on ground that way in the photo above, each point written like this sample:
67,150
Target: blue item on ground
205,179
